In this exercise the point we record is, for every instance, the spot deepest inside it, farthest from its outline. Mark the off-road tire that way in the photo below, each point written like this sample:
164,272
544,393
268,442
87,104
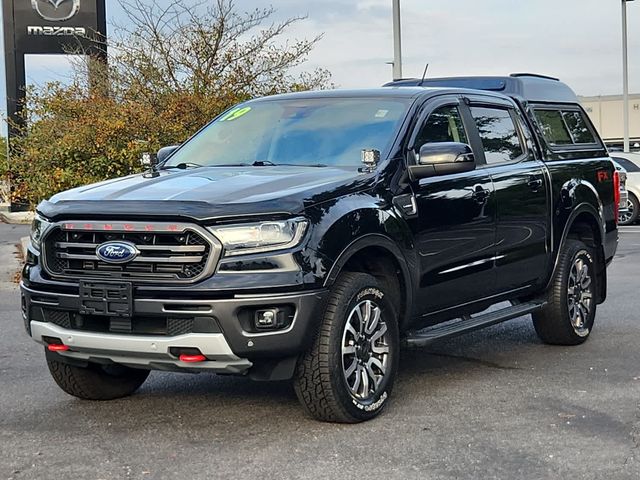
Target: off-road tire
96,382
319,380
553,322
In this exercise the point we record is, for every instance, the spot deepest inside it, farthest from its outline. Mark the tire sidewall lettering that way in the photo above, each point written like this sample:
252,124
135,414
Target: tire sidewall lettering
372,407
370,291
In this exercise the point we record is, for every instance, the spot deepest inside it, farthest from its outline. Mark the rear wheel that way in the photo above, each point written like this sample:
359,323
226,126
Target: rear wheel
568,317
348,373
96,382
633,209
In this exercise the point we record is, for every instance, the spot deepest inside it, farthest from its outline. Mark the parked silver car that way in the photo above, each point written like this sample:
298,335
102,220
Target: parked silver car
630,162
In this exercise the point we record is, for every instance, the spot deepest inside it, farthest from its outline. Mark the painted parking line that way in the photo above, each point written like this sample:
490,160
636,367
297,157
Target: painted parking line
634,229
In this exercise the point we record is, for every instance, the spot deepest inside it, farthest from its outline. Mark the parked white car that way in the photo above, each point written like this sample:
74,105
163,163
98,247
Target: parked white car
631,163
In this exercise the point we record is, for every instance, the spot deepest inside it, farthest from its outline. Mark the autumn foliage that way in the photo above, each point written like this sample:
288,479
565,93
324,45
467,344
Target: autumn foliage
171,70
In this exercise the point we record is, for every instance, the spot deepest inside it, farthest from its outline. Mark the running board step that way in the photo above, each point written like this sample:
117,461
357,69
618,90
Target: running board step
451,329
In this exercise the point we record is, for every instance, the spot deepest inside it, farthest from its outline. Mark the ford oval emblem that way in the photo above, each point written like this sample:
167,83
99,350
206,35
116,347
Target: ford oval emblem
116,252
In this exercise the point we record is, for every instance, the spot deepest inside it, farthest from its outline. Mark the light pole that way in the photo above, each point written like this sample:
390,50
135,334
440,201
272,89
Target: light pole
397,42
625,74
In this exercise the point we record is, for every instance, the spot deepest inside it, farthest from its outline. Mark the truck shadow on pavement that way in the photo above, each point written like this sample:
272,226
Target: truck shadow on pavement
241,400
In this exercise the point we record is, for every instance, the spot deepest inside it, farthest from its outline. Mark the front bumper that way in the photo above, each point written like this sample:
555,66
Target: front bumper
231,349
151,352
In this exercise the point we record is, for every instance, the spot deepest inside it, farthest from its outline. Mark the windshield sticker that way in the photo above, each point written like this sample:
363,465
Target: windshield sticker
235,114
381,113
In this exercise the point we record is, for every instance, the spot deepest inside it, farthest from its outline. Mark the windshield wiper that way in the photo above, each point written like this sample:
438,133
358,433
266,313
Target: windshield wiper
257,163
184,166
269,163
312,165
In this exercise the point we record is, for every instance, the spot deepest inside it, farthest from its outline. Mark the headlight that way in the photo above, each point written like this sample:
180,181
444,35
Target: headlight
260,237
38,228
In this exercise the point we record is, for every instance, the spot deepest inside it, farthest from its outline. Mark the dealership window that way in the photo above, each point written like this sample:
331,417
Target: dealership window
561,128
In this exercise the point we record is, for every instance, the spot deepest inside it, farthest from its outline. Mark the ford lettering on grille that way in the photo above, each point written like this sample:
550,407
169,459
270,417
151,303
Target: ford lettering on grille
116,252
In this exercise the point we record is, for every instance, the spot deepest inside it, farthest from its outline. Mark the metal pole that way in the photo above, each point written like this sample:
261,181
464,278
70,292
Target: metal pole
625,76
397,42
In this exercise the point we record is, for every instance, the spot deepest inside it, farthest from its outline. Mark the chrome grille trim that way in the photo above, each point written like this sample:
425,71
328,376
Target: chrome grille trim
192,259
178,248
167,258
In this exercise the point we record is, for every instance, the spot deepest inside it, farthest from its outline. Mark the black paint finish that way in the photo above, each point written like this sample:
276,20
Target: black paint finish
457,242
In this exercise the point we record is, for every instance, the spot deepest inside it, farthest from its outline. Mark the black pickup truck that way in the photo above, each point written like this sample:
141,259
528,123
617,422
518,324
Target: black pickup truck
311,235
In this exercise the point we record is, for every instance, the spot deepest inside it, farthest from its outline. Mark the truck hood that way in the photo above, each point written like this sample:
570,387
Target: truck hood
207,193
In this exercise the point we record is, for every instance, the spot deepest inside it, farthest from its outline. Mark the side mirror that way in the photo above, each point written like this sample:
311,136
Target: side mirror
443,159
165,152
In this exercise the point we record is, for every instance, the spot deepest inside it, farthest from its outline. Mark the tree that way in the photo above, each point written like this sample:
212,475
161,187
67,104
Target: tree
172,67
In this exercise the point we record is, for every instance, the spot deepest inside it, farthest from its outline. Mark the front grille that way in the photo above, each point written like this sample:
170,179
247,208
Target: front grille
168,252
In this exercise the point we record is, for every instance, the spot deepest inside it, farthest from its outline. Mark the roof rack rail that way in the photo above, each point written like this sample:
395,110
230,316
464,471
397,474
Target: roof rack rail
526,86
536,75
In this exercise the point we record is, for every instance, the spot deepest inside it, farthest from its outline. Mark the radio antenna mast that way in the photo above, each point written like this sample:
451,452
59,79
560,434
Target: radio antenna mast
424,74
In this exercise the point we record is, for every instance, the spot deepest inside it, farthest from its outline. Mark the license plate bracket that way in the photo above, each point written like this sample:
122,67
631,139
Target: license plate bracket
111,299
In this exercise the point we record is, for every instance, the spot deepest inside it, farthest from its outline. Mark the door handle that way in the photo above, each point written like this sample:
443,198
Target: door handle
480,194
535,184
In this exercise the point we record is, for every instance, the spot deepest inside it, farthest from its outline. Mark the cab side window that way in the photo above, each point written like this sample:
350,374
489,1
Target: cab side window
498,133
443,125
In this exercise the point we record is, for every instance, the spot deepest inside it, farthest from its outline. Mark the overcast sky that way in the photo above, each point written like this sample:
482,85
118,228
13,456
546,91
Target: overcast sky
576,40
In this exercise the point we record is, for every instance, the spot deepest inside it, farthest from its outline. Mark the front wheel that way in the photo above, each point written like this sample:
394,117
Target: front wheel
95,381
348,373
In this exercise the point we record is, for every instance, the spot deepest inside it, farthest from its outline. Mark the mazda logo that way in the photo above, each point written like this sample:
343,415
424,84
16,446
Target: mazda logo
116,252
56,10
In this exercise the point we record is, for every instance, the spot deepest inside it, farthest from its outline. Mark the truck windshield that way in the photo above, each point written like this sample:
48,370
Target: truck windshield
308,132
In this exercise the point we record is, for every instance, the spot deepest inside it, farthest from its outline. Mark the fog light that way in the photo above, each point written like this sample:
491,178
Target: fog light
267,319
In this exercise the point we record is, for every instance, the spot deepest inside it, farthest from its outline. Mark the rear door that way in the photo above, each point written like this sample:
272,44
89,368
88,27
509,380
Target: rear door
521,188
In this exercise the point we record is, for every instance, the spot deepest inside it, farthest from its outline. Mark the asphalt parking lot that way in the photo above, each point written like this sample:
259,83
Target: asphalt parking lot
494,404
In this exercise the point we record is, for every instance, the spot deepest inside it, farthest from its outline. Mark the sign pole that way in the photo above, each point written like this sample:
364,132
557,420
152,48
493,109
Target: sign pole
397,41
625,76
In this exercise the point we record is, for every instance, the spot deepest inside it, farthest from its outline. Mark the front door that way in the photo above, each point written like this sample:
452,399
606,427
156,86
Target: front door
456,219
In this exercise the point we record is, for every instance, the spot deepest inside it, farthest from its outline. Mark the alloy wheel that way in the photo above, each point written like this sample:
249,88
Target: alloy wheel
365,350
628,215
580,296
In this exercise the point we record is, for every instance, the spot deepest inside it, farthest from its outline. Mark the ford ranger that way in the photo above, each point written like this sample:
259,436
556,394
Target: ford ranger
310,236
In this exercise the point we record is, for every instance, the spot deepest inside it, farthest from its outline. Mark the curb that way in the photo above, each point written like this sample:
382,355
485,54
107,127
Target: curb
21,218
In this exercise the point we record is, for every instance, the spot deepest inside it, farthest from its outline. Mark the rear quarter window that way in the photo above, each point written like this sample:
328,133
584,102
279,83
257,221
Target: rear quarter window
564,127
553,127
578,127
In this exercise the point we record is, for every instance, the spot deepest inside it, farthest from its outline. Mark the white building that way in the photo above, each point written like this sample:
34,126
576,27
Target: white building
606,113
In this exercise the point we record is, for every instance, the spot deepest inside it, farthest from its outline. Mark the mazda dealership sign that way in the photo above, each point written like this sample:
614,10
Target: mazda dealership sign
48,27
56,11
55,26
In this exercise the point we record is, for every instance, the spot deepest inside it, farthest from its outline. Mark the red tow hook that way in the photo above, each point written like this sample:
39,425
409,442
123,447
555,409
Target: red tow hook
192,358
57,347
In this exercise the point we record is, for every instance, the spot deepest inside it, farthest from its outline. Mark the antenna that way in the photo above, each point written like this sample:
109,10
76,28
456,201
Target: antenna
424,75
